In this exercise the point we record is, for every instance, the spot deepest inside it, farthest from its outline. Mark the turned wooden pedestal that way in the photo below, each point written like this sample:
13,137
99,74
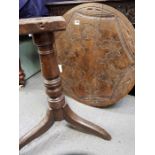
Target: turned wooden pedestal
42,30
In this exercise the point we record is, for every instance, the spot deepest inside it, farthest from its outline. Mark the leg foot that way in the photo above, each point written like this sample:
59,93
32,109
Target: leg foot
82,124
42,127
21,78
21,75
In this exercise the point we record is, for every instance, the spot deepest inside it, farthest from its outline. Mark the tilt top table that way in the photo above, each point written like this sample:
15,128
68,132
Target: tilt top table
43,36
96,54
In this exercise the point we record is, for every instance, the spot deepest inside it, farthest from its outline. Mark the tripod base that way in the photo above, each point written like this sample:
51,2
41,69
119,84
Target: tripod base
57,115
44,38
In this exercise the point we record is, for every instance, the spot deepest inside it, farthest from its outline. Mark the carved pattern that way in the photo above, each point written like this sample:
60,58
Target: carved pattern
126,7
97,56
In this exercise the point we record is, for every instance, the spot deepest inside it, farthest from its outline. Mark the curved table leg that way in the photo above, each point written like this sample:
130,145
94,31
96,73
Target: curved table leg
83,124
42,127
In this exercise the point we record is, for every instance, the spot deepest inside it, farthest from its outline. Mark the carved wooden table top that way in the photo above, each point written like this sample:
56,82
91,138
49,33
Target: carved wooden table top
97,54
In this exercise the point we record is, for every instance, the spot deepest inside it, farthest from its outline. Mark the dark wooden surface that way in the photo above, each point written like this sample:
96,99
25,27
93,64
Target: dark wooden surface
97,54
58,109
127,7
40,25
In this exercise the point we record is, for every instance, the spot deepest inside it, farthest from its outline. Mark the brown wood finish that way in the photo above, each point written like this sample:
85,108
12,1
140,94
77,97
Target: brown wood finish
127,7
58,108
21,75
97,54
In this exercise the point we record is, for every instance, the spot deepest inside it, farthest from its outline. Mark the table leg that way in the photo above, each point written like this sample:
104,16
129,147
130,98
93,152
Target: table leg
21,75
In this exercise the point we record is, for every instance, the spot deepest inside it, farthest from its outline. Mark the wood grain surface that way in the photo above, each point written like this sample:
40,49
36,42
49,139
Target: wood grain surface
96,54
